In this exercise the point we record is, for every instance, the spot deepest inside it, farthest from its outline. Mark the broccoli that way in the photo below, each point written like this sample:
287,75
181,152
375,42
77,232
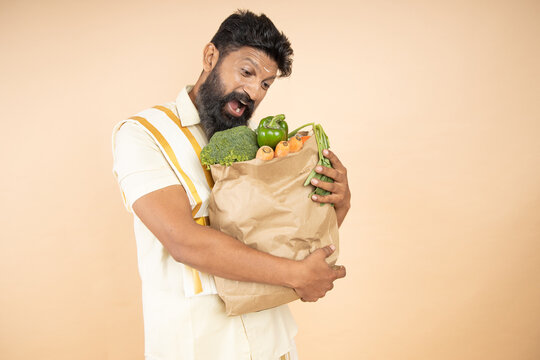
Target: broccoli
229,146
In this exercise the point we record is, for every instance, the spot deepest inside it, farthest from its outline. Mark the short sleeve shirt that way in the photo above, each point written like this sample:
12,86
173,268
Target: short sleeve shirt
177,327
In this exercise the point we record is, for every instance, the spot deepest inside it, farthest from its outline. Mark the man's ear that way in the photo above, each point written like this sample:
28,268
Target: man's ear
210,57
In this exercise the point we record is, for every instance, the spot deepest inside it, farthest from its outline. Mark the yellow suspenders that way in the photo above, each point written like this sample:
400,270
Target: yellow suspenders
191,139
191,187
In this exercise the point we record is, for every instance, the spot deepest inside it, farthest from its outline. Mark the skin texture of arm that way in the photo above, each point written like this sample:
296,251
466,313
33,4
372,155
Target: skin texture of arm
167,214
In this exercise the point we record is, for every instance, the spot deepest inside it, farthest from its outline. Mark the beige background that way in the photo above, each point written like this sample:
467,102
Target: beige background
432,105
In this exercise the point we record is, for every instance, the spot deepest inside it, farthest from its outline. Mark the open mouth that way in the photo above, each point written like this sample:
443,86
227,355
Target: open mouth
235,108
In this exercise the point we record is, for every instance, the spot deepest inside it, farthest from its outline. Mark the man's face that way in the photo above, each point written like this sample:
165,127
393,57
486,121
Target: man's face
234,89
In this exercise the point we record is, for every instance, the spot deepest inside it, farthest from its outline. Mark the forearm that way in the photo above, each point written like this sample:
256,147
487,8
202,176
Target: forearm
216,253
341,213
167,214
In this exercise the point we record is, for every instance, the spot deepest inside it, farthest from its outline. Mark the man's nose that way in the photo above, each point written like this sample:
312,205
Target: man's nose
254,91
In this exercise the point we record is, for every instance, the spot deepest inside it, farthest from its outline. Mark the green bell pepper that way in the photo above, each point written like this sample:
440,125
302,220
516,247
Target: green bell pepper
272,130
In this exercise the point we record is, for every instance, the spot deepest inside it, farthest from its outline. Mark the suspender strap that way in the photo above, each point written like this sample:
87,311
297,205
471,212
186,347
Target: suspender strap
173,160
172,157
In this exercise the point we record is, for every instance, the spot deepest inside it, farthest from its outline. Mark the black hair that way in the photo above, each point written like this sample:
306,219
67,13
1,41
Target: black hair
244,28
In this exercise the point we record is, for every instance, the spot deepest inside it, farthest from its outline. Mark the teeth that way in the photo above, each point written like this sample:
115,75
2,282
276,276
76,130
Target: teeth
238,110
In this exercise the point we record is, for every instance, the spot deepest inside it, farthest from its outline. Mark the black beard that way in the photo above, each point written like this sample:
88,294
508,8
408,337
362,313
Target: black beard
211,102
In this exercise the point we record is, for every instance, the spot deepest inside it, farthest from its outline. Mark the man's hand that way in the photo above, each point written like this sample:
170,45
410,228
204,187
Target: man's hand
340,193
317,276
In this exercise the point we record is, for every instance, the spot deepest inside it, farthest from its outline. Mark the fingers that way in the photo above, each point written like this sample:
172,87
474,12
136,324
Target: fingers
324,251
339,271
338,173
330,186
323,275
330,172
339,188
331,286
336,163
328,250
331,198
339,193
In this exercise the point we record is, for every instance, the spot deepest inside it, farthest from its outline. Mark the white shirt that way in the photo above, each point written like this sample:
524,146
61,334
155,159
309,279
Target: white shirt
179,327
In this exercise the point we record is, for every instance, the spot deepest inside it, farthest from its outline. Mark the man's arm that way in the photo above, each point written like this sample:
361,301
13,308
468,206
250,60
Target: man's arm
167,214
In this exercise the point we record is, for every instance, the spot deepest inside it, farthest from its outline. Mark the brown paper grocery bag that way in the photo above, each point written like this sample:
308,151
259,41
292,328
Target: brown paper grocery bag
265,205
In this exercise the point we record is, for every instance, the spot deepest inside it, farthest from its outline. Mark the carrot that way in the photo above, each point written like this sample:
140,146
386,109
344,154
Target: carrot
295,143
304,138
282,149
265,153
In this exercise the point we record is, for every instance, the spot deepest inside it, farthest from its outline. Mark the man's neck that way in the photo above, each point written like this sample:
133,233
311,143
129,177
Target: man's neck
195,90
192,96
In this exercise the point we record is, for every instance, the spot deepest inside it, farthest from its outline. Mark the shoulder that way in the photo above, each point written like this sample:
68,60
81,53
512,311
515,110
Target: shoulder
131,132
134,149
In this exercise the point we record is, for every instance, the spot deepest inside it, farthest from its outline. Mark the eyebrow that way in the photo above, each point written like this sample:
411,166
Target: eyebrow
258,66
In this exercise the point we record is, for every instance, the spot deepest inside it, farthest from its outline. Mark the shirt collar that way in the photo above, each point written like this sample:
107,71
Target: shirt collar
186,109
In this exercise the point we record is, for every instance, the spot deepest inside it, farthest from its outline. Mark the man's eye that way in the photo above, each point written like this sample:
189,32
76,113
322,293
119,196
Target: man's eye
246,72
265,85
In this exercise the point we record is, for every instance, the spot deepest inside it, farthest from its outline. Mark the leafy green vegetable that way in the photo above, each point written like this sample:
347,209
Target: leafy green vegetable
229,146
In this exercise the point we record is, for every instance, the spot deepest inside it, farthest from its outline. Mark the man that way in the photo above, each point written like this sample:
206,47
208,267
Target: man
156,163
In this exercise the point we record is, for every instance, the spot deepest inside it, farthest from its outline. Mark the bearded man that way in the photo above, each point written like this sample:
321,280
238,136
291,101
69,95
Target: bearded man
164,185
